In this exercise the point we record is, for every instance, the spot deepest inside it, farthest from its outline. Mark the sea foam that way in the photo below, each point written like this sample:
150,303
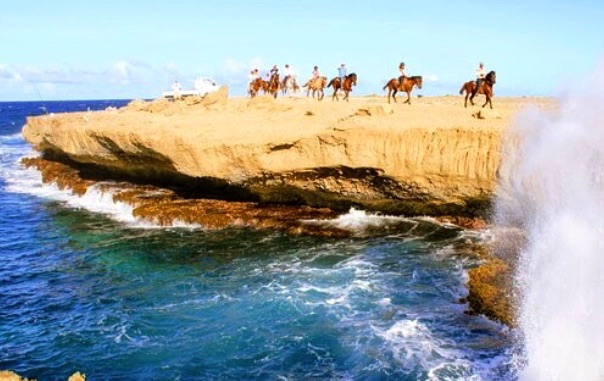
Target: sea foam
553,189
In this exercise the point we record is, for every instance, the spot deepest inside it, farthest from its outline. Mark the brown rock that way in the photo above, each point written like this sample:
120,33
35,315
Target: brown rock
432,158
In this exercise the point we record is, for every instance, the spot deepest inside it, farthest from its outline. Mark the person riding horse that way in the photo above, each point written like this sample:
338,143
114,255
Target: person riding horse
254,75
342,72
287,75
480,74
274,71
403,76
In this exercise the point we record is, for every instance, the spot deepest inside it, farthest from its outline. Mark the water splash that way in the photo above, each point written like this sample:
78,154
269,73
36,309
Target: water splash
553,189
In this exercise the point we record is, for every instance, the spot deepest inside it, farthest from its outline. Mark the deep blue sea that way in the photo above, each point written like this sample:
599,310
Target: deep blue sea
83,287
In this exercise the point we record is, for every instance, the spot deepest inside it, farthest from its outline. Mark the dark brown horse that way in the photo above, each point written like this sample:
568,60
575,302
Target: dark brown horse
346,85
394,86
257,85
316,85
274,85
486,88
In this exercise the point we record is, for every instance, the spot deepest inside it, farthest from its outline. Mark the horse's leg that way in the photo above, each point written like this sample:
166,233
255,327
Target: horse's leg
488,101
394,95
408,101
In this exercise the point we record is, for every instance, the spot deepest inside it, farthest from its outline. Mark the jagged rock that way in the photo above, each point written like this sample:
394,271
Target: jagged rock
216,97
7,375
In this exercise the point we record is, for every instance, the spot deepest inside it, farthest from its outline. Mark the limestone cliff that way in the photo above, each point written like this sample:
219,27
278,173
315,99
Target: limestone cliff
430,158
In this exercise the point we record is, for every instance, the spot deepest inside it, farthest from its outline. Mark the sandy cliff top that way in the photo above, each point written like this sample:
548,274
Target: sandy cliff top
432,149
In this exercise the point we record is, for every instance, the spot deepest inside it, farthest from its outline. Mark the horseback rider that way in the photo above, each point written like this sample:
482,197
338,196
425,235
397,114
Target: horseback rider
287,74
274,71
480,75
254,75
403,71
316,73
342,72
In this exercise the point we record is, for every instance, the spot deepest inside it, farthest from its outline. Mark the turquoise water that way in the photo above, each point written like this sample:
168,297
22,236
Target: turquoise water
82,288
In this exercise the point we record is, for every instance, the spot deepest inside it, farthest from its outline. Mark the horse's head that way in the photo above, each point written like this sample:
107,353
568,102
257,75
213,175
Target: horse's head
419,80
353,78
491,77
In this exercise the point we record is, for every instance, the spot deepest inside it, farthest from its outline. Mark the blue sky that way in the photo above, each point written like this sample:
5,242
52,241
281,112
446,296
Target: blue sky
54,50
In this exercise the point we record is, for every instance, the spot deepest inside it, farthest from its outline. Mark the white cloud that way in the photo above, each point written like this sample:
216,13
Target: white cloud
234,66
127,72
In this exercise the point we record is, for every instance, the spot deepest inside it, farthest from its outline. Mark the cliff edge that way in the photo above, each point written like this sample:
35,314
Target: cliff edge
433,157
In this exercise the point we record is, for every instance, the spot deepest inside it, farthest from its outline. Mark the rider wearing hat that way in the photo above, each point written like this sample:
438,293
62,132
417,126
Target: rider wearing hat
342,72
401,68
480,74
274,71
287,74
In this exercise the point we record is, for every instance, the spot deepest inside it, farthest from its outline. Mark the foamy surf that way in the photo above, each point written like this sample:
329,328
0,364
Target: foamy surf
98,198
553,168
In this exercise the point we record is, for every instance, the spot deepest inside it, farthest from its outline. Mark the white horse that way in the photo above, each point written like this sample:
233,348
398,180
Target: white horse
290,85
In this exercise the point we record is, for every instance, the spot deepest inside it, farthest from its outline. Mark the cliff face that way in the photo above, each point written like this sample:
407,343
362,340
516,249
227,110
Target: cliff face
429,158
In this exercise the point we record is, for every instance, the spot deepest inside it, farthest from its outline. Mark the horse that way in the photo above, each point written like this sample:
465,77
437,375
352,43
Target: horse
346,85
289,85
316,85
486,88
395,86
274,85
257,85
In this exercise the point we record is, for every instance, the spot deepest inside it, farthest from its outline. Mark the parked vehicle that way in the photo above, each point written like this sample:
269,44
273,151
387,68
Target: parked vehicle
203,86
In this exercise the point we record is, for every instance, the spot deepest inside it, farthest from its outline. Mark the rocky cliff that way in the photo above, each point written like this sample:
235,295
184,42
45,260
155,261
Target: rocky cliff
434,157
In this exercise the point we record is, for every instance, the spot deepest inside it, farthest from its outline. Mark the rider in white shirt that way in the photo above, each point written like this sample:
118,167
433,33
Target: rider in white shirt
176,87
480,74
403,71
254,75
287,73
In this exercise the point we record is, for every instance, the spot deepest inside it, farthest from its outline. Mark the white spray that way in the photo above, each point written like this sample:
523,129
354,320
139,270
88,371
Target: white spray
553,188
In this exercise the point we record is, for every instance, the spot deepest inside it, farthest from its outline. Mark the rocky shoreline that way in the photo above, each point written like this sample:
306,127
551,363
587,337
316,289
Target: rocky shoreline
266,163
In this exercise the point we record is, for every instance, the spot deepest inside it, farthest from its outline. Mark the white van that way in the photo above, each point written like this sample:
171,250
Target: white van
203,85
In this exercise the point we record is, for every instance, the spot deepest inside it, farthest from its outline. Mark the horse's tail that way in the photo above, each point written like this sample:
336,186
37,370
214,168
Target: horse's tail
331,83
388,84
462,89
385,86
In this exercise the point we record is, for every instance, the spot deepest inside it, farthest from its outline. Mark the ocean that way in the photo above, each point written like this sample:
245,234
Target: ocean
86,287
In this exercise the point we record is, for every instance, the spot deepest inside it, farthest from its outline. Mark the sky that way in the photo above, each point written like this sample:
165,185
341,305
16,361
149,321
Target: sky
130,49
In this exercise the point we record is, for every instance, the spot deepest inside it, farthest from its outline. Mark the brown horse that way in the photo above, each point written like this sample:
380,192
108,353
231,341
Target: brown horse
257,85
349,81
486,88
274,84
395,86
316,85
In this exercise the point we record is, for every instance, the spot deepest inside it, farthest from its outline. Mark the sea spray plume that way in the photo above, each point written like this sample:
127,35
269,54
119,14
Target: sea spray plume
552,188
